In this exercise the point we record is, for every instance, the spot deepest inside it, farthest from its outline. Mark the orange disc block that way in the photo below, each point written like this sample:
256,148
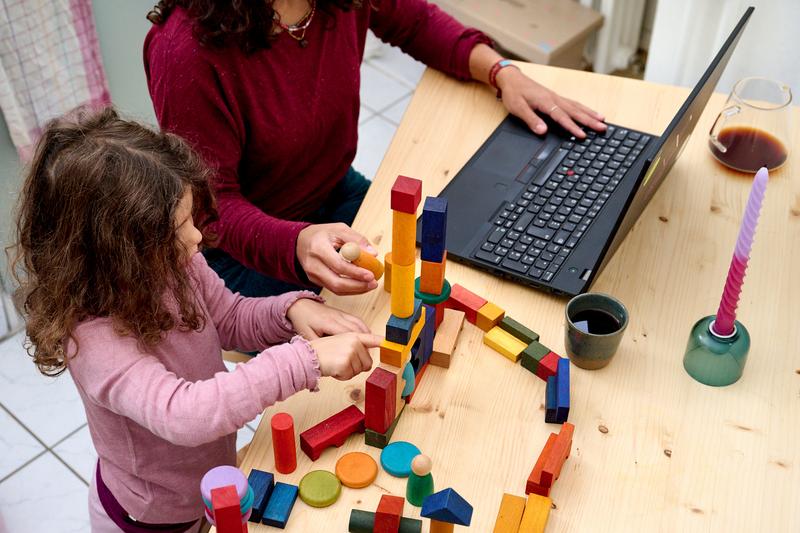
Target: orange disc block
356,470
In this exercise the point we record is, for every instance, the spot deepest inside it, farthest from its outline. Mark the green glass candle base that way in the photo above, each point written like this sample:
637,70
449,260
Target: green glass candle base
714,360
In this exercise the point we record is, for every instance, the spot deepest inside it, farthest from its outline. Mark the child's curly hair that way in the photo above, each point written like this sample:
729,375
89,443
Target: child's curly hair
96,234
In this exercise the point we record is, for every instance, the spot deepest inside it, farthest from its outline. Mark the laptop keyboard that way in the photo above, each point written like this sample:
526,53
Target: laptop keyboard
534,234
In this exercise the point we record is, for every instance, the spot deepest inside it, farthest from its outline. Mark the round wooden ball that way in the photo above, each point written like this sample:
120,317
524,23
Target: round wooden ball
421,465
350,251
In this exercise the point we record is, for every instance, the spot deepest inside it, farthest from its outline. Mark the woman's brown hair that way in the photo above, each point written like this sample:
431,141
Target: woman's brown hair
247,24
96,234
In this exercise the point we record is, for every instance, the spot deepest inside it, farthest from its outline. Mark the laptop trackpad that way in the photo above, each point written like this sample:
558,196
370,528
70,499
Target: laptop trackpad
507,155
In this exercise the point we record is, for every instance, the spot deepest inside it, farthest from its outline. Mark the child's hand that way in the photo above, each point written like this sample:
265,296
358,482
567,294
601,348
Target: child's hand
345,355
312,320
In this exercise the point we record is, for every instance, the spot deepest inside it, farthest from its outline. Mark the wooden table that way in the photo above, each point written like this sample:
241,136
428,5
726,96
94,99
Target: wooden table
653,449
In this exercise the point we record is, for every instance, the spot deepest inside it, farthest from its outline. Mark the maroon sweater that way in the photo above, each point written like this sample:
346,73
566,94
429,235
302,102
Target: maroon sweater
280,126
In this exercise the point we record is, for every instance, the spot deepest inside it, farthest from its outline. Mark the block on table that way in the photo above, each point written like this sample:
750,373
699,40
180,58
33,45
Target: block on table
465,300
262,484
332,431
558,455
520,331
406,194
380,403
280,505
537,510
504,343
398,330
490,316
444,342
532,355
509,515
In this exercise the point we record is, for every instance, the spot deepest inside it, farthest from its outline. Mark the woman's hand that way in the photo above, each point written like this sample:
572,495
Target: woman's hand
523,97
313,320
345,355
317,247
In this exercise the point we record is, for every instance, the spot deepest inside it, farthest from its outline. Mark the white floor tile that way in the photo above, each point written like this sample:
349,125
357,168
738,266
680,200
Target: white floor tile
243,437
395,112
49,407
374,137
253,424
364,114
78,452
397,63
43,497
379,91
17,446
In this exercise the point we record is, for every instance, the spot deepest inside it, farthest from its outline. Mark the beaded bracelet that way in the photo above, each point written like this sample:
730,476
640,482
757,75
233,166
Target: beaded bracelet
493,74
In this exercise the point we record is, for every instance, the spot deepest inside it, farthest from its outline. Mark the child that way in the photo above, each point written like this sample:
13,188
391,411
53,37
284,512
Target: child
116,292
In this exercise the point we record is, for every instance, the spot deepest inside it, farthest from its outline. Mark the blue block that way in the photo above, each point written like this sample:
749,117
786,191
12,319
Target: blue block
280,505
434,220
262,484
433,252
399,329
562,388
447,506
550,401
427,334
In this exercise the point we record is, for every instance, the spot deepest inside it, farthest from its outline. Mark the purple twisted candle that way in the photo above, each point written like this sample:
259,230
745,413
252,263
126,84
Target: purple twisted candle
723,326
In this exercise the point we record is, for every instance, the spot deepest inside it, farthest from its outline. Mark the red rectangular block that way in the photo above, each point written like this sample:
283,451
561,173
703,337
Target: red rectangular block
558,454
380,400
465,300
226,508
548,366
534,484
387,517
332,431
406,194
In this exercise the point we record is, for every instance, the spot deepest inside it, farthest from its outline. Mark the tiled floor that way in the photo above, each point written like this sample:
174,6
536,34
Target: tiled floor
46,453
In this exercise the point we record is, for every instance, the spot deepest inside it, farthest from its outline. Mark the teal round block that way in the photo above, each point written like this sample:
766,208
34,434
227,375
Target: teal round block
713,360
396,458
410,379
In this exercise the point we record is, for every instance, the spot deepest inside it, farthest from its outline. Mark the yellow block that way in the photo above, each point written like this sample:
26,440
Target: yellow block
510,514
489,316
402,289
441,527
404,238
396,354
504,343
387,275
432,276
537,510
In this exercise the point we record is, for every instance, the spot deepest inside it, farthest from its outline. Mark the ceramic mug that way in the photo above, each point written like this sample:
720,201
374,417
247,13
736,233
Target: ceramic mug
595,324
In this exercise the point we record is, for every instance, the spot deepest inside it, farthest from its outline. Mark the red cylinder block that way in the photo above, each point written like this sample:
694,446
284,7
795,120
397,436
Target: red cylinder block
283,443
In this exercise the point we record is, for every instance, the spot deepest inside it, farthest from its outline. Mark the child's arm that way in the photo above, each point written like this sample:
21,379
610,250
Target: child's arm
247,324
114,373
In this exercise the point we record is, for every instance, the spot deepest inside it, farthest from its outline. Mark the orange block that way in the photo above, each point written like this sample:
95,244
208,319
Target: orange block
432,276
387,273
402,289
510,514
537,511
534,484
557,456
489,316
396,354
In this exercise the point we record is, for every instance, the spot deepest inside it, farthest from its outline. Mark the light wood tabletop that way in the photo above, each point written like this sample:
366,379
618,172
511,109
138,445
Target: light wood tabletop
653,449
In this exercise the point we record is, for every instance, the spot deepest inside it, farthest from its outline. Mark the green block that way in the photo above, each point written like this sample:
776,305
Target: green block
364,522
432,299
532,355
518,330
381,440
418,488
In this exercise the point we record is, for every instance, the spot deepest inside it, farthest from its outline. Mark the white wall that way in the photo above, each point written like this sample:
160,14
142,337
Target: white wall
688,33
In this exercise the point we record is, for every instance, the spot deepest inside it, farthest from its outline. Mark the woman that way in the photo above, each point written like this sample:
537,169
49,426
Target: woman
268,92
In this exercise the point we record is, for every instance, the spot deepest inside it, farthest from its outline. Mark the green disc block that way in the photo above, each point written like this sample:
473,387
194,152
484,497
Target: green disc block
432,299
532,355
418,488
320,488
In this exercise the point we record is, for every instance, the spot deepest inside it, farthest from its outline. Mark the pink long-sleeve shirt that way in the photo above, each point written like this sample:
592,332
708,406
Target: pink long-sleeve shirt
161,418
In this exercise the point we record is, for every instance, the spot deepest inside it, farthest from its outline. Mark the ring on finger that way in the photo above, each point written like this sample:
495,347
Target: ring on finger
555,106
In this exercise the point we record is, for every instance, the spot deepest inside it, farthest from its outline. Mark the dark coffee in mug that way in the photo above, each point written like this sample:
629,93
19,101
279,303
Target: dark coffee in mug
596,322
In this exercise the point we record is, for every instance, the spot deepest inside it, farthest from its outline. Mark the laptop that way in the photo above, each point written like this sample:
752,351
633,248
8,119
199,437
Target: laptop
550,210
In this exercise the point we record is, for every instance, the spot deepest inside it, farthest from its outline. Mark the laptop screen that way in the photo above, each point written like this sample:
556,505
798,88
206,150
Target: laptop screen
669,146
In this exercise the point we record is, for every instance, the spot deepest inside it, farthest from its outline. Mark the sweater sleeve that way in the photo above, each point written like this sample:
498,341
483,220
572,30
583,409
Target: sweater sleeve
114,373
428,34
245,324
189,100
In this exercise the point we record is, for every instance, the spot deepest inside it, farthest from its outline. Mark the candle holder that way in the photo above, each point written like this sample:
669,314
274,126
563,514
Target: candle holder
714,359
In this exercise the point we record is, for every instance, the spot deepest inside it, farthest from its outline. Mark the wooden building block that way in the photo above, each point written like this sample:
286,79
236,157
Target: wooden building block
332,431
283,445
226,509
532,354
537,510
550,401
489,316
394,354
398,372
434,219
441,527
548,366
534,483
420,480
409,376
504,343
521,332
444,342
398,330
280,505
388,514
509,515
426,338
417,379
387,272
440,309
562,390
380,400
558,454
465,300
353,253
432,275
406,194
262,484
381,440
404,239
447,506
403,290
364,522
432,299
